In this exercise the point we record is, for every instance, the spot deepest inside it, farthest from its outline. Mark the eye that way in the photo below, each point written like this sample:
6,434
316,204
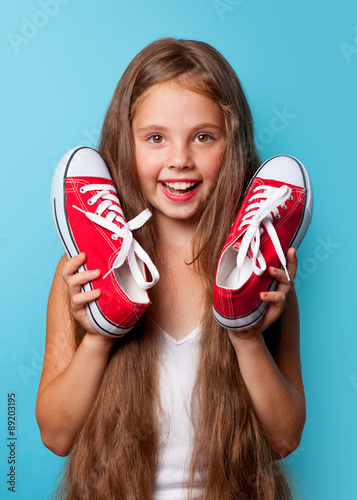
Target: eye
203,138
156,138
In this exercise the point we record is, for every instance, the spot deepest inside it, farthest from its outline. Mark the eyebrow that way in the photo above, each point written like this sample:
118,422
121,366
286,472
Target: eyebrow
162,127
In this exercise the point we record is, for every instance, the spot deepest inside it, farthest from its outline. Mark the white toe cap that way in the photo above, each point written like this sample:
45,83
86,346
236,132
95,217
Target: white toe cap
284,168
85,162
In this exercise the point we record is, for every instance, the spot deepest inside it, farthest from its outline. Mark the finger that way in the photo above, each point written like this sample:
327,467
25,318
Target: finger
273,311
80,299
72,265
280,275
292,262
285,284
276,305
276,297
79,279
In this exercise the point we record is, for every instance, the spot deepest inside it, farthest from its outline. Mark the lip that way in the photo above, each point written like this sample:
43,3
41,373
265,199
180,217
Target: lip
179,180
184,197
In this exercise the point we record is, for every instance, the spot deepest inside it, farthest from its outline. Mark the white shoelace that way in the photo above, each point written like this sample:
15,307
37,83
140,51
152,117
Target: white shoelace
257,213
130,248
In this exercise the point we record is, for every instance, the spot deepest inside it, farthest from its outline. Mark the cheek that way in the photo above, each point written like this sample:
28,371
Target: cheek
147,178
142,167
214,166
142,179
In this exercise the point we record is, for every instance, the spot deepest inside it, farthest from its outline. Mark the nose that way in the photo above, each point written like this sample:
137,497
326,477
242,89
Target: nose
180,156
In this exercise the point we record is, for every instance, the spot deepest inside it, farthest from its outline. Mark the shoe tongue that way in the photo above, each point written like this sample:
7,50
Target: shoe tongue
237,245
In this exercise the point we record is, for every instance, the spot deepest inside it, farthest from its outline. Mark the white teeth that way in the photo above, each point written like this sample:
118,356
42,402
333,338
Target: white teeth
180,185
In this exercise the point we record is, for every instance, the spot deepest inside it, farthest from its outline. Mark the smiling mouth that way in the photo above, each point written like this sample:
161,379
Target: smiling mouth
179,188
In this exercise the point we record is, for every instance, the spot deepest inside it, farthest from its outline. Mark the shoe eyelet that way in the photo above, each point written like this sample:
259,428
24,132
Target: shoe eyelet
89,201
284,207
81,190
277,216
291,198
114,237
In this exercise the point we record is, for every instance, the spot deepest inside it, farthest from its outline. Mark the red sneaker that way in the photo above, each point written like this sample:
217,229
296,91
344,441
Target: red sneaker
89,218
275,215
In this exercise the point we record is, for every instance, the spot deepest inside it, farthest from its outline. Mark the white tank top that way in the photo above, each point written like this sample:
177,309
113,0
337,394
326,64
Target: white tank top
177,373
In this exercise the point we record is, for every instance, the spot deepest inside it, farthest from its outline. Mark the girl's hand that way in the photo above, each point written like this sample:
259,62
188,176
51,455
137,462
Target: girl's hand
276,306
77,298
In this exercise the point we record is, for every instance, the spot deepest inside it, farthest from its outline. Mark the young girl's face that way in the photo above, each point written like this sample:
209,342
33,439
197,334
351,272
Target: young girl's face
179,146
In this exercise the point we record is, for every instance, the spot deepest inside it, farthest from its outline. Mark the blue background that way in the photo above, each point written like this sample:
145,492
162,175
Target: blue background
295,59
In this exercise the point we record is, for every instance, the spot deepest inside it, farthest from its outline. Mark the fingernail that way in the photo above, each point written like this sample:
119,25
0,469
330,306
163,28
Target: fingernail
265,295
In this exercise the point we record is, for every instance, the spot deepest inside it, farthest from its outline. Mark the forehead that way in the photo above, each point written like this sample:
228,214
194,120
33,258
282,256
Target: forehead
173,99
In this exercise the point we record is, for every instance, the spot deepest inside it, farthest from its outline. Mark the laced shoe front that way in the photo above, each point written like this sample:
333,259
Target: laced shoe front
89,218
275,215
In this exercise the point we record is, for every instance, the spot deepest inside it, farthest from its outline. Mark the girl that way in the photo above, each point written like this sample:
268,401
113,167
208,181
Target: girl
179,407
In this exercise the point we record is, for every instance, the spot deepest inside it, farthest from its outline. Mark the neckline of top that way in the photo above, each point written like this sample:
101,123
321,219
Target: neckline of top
187,338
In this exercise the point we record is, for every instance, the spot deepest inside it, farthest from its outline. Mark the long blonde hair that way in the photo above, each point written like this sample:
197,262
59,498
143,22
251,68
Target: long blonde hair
115,454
